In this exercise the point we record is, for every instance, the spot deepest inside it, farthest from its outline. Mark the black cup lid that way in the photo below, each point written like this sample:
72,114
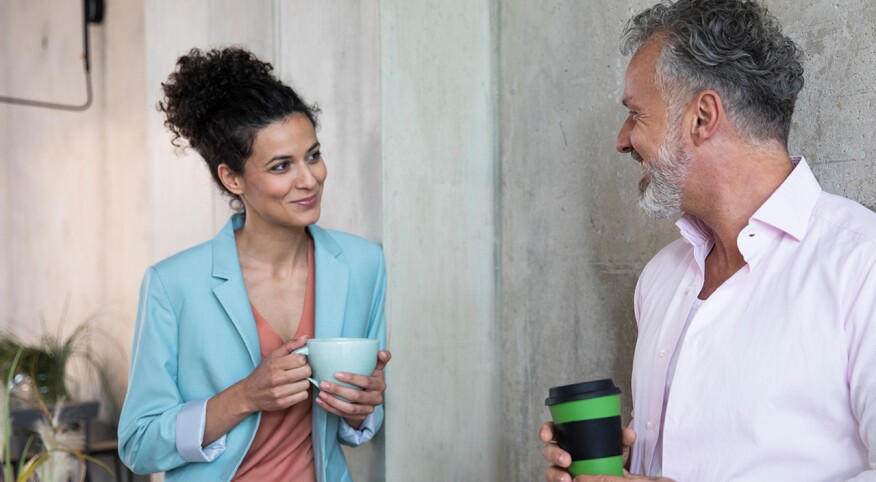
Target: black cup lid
581,391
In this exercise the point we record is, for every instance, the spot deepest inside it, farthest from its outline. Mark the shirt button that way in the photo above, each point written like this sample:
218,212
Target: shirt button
661,353
649,425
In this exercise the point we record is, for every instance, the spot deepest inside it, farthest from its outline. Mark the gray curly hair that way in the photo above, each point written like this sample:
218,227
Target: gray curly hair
734,47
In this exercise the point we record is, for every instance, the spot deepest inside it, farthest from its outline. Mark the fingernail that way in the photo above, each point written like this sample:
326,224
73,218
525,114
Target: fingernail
324,385
341,376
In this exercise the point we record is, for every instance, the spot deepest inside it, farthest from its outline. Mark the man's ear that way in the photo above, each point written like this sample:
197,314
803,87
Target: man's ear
230,179
707,116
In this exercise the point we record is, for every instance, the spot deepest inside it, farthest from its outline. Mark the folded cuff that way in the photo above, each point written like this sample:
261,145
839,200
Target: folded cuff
191,421
354,437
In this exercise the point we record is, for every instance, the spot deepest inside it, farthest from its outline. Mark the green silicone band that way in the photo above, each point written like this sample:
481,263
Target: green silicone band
607,406
604,466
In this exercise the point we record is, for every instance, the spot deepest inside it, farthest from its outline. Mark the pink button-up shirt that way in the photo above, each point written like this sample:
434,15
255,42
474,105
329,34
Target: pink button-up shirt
776,378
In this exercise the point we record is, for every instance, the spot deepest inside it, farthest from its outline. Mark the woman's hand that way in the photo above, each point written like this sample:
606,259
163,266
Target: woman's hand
361,402
280,380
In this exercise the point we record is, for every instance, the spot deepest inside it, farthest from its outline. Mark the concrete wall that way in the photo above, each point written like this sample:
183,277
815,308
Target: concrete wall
573,241
440,172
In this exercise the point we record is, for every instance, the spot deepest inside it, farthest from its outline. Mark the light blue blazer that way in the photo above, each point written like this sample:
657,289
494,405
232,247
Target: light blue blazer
196,336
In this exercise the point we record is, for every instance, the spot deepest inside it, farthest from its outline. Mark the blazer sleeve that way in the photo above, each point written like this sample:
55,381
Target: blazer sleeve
376,330
147,426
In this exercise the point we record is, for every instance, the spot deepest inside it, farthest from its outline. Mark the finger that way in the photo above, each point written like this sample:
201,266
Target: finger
546,432
292,399
282,394
557,456
296,343
556,474
286,348
383,358
300,373
345,409
629,437
328,408
373,383
362,397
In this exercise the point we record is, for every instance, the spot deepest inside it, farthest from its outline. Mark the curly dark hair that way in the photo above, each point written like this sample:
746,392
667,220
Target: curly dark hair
735,47
218,100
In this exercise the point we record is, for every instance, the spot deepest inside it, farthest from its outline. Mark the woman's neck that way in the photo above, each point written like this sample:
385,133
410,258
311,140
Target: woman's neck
279,249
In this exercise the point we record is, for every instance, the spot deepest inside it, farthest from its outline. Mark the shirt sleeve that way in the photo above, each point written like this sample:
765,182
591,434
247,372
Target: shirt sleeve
190,425
353,437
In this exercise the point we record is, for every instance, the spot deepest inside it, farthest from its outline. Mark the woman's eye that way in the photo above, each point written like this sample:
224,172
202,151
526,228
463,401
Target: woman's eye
280,166
314,157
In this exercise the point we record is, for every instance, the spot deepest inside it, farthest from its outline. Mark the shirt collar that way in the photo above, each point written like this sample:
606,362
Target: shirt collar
790,206
788,209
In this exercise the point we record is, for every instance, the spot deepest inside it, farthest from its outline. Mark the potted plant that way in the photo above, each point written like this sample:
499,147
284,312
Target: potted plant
60,455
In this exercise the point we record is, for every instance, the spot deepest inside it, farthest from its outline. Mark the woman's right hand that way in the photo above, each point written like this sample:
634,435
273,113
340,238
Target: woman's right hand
280,380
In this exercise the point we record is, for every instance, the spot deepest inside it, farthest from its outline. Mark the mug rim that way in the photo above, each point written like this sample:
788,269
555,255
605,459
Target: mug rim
342,340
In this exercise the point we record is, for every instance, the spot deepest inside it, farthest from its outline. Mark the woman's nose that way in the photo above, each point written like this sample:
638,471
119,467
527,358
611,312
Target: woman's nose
305,178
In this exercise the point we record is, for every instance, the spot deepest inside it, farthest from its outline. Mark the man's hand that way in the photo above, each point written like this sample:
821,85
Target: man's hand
561,459
361,402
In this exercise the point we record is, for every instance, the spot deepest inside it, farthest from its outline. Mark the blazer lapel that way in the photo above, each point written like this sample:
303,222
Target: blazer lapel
332,280
232,293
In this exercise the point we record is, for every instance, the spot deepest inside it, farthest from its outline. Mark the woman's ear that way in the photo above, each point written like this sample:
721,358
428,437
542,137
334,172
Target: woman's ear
708,115
230,179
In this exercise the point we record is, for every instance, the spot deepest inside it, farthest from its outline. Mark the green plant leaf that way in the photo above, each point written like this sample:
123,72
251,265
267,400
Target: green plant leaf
31,466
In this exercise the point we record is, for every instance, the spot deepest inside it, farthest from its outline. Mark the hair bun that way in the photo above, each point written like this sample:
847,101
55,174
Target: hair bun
202,80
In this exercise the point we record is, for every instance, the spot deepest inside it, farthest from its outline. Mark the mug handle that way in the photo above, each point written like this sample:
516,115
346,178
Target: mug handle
304,351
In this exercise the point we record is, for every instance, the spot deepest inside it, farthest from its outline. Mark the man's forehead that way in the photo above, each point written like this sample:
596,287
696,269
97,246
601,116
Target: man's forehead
640,73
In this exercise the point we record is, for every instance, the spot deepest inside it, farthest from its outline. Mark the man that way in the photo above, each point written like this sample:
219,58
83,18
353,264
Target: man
756,356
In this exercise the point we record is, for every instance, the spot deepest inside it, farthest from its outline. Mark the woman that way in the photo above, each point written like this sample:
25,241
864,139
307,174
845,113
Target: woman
214,393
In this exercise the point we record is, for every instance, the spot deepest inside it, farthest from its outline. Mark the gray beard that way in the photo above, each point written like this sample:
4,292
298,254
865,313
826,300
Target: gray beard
660,192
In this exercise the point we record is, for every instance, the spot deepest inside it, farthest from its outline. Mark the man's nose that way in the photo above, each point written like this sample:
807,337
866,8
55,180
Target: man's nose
623,144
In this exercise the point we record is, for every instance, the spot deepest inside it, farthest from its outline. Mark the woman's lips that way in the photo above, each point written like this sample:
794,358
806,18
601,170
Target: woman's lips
306,202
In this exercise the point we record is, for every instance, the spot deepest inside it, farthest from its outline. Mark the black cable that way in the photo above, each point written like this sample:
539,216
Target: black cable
92,12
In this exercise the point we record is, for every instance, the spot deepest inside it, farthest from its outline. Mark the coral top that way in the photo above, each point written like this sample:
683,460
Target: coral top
282,448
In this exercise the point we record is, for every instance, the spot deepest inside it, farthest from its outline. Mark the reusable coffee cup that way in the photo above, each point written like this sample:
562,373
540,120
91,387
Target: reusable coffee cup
328,356
587,424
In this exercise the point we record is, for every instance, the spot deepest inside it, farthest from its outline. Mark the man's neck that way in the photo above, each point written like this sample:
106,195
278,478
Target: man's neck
724,191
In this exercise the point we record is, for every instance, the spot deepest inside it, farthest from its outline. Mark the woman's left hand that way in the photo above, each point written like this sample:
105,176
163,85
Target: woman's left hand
361,402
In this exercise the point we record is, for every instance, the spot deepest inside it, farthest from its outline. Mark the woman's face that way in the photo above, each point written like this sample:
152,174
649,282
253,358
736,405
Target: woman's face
282,180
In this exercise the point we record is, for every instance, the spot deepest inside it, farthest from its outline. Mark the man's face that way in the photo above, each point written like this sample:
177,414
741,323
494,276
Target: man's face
652,139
